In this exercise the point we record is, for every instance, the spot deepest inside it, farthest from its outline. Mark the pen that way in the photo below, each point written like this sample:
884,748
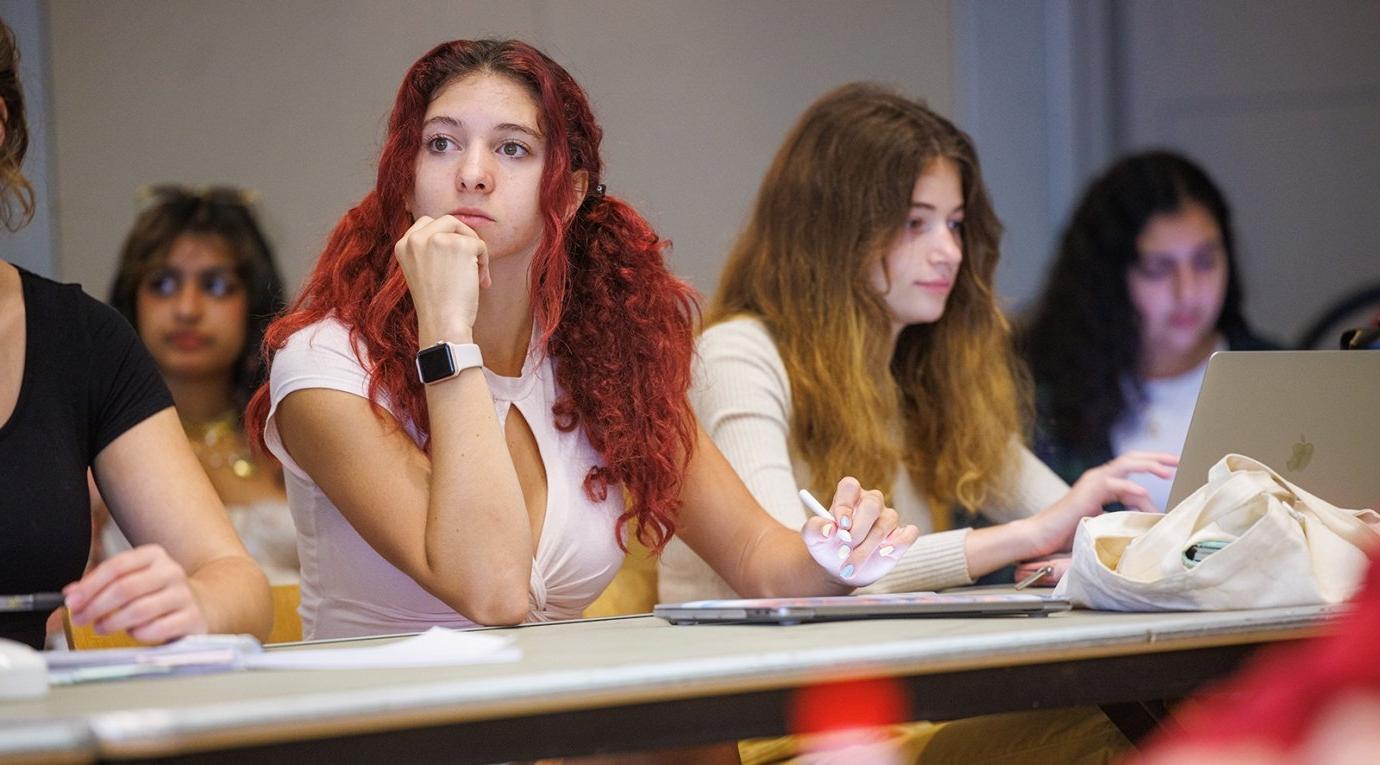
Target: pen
818,509
38,601
1039,574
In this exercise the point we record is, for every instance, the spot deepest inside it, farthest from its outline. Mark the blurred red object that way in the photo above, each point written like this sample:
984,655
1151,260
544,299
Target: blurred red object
1289,697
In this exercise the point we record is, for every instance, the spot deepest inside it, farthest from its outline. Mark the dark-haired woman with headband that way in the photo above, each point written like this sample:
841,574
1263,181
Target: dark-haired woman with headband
197,280
78,391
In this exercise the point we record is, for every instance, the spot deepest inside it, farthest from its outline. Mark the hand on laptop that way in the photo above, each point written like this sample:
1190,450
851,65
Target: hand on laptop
1054,526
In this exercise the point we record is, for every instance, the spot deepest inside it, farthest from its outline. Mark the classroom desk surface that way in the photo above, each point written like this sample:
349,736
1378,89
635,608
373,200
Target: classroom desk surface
638,683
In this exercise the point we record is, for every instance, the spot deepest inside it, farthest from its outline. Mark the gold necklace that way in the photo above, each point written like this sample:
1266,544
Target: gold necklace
219,443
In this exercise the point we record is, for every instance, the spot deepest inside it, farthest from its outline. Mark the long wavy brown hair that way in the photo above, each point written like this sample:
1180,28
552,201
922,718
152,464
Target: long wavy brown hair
948,398
16,193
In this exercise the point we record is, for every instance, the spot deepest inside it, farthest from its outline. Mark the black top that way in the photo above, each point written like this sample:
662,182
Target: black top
87,379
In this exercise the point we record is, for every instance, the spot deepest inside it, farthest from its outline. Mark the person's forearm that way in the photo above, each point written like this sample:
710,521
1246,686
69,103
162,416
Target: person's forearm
233,595
780,565
478,534
991,548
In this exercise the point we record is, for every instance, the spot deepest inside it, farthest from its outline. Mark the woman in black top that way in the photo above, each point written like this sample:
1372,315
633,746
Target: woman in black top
78,390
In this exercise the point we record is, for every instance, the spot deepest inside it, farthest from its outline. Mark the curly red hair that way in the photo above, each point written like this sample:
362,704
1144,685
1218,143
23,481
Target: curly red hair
618,325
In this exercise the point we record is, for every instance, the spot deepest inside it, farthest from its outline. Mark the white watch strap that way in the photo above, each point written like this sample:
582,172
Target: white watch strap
465,355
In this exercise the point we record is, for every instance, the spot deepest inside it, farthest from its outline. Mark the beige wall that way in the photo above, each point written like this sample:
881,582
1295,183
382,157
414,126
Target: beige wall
290,98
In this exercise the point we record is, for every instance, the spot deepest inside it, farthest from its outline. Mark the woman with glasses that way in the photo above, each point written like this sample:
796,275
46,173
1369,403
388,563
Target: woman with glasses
79,392
198,282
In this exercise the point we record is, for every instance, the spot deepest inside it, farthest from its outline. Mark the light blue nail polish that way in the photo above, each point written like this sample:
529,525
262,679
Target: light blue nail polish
846,521
848,571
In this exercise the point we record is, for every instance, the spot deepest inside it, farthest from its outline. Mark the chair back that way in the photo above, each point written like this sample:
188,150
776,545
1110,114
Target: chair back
287,624
633,589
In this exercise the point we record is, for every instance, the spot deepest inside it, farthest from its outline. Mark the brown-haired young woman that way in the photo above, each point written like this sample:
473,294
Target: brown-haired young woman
198,282
855,331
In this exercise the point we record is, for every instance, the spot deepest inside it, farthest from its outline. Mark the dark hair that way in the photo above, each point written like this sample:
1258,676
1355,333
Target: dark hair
15,189
1083,336
618,325
217,211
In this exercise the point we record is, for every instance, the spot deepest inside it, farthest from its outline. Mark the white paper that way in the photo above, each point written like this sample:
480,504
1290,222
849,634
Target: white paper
437,647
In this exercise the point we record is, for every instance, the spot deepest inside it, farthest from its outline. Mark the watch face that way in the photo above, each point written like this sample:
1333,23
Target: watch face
435,363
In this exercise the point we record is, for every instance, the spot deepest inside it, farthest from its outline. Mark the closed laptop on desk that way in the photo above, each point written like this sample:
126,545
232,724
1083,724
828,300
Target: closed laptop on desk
842,607
1313,416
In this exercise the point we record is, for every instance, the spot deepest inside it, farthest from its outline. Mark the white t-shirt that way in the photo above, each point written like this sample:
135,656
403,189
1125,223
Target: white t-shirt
742,396
349,590
265,528
1160,425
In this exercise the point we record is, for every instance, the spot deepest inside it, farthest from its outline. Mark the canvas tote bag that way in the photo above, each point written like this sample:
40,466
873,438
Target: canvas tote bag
1283,547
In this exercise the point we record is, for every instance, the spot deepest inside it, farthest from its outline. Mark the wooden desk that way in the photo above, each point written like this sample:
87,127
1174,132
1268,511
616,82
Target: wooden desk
640,683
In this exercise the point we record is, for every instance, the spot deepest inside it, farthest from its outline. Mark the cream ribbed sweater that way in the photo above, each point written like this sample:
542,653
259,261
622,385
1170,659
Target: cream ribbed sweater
742,397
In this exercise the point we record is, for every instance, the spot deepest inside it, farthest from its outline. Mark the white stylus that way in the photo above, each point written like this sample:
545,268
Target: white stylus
818,509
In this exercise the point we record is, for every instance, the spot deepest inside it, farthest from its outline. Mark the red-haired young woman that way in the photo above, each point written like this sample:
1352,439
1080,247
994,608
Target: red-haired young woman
556,347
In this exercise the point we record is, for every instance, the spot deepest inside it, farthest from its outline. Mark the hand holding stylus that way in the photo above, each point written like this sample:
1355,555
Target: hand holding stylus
858,539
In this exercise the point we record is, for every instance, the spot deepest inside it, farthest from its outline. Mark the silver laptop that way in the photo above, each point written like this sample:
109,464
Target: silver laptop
907,605
1312,416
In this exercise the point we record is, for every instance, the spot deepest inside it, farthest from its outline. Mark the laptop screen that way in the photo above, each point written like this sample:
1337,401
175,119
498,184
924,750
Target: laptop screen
1312,416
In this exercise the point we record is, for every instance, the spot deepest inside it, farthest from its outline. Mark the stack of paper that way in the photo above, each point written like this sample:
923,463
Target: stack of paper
194,653
437,647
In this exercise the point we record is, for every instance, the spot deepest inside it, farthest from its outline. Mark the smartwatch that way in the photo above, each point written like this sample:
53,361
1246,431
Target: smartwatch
445,360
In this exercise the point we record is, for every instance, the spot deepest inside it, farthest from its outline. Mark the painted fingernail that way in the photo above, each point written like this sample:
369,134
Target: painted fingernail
845,536
828,530
846,521
848,571
886,551
844,551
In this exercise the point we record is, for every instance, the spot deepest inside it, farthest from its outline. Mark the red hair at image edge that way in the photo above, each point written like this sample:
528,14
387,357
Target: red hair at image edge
618,326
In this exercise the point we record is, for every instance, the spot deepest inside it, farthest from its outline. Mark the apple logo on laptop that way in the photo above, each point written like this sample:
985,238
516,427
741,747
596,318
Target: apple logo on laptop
1302,454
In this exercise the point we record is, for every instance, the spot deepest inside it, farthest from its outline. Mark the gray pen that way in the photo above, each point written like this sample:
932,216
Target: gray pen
38,601
1039,574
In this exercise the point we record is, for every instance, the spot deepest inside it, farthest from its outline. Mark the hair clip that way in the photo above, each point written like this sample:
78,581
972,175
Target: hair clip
221,195
598,192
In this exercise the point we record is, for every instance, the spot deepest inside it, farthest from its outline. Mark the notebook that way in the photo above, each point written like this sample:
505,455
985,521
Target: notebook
1312,416
842,607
